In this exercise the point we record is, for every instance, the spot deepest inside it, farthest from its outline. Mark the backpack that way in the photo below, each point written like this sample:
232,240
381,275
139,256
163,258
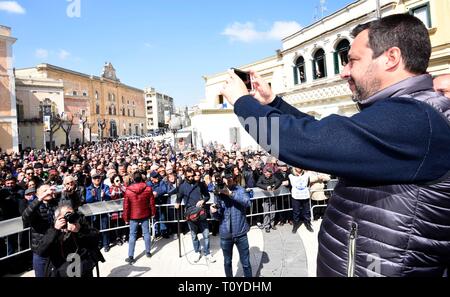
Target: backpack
194,214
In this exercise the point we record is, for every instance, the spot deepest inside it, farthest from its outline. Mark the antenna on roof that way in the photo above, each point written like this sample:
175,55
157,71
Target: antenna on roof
323,8
319,10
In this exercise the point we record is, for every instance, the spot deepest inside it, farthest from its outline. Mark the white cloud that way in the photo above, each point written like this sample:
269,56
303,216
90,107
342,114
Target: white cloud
242,32
281,30
41,53
148,45
12,7
246,32
63,54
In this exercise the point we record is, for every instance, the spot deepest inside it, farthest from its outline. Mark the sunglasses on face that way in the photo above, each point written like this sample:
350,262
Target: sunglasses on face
189,176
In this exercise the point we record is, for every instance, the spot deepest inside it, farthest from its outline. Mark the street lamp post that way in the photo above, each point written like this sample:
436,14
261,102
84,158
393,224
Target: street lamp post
175,125
47,114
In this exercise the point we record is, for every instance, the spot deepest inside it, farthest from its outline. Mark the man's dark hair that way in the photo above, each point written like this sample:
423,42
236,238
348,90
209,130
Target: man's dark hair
137,177
404,31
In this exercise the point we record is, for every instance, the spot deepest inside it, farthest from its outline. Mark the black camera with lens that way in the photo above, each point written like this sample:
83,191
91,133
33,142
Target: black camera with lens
72,217
219,181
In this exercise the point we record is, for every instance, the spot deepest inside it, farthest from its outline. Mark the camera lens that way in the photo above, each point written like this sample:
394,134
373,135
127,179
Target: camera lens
72,217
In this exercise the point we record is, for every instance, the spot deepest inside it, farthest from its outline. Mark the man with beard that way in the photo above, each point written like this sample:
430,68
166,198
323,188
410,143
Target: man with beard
390,212
194,195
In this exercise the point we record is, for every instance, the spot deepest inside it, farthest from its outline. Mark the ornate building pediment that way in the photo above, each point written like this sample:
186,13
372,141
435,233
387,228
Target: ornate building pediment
109,72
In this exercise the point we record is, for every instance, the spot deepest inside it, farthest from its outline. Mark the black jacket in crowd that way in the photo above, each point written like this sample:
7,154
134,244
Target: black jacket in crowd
9,202
76,198
39,216
264,182
58,245
191,193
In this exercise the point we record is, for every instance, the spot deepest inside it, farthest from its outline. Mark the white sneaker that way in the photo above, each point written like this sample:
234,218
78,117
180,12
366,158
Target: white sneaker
197,257
210,258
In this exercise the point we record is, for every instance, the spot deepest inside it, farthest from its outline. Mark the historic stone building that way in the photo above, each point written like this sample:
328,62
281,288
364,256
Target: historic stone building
109,107
9,140
32,95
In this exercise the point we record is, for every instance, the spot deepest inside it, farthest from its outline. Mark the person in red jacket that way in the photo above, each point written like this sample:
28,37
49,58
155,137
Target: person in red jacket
138,208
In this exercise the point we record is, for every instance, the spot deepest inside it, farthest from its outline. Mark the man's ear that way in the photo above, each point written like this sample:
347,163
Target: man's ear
393,58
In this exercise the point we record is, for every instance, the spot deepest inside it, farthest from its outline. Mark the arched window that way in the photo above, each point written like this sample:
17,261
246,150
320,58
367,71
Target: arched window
134,113
299,71
110,110
97,109
114,110
341,55
123,111
96,95
128,112
319,64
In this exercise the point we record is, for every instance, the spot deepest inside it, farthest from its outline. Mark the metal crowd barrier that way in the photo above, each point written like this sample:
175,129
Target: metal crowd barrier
328,191
319,204
95,212
14,238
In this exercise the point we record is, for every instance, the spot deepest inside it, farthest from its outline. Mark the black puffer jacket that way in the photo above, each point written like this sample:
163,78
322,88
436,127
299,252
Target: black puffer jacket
390,230
39,216
9,202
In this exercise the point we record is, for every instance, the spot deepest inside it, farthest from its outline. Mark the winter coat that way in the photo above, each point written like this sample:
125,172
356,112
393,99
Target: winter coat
138,203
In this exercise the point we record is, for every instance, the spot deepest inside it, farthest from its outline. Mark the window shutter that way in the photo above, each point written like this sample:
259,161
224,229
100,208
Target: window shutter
336,62
295,75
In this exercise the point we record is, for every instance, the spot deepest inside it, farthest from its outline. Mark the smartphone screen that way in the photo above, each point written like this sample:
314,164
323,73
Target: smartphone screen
245,76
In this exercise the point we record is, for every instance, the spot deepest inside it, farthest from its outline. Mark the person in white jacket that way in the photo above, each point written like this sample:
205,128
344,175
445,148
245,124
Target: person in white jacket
300,180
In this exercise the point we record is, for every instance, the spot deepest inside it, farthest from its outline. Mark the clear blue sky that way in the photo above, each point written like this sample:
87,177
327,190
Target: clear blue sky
165,44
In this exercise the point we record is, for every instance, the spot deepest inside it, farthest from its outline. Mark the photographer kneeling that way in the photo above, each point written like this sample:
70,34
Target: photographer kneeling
231,202
70,244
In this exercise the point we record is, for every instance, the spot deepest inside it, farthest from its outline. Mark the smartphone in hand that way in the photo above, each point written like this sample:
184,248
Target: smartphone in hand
245,77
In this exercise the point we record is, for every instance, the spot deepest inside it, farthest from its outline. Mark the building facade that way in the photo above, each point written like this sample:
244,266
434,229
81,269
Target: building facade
159,109
306,70
32,95
9,140
108,107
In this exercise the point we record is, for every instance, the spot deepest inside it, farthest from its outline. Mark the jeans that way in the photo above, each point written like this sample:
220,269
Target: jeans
39,265
200,227
244,254
301,211
161,228
133,234
104,224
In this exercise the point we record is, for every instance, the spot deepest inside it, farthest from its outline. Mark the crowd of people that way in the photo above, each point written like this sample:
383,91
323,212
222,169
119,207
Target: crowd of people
35,183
